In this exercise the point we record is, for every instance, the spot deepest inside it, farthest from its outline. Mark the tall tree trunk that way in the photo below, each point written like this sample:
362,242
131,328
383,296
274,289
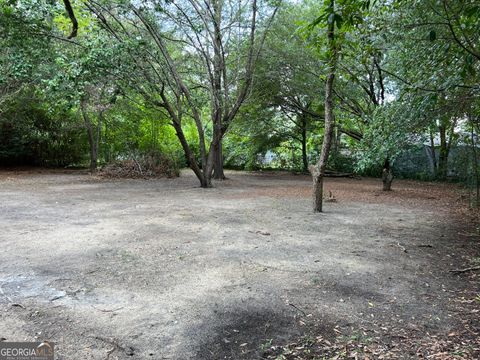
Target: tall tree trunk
218,103
218,173
443,154
433,154
93,158
206,181
93,135
318,171
304,143
107,145
210,164
98,136
476,175
387,175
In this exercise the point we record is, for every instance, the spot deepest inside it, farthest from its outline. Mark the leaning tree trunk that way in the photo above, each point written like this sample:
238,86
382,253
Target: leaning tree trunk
304,144
318,171
387,175
200,172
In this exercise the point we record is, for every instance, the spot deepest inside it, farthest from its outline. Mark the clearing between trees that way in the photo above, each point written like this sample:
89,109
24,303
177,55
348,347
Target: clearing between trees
162,269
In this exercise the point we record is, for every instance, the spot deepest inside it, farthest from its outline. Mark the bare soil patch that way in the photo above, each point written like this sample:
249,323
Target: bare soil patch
161,269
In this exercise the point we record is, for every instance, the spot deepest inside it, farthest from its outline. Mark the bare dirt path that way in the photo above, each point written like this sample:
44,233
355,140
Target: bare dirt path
162,269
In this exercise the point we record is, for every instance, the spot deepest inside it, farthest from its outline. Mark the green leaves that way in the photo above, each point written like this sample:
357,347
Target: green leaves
344,12
7,10
338,19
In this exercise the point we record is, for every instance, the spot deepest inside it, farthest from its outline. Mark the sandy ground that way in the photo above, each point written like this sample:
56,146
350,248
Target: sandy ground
161,269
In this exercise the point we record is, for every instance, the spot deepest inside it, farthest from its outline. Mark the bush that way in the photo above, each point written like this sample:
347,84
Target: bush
30,135
341,162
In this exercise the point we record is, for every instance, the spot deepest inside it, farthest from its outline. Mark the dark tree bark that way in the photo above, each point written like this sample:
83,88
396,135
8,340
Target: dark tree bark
218,102
73,19
387,175
318,171
218,173
446,131
476,175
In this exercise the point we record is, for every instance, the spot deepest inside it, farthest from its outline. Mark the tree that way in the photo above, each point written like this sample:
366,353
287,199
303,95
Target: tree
338,17
363,85
100,99
287,82
84,77
432,70
21,54
207,55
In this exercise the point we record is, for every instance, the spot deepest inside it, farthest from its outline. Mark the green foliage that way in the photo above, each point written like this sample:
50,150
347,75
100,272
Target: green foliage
384,137
344,14
341,162
29,134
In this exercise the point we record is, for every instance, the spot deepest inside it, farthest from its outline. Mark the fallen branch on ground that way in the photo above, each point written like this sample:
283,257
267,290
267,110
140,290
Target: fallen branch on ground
296,307
107,310
18,305
458,271
468,234
112,341
331,173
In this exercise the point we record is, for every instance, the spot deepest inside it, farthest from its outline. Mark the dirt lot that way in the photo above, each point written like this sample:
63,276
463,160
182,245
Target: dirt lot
161,269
